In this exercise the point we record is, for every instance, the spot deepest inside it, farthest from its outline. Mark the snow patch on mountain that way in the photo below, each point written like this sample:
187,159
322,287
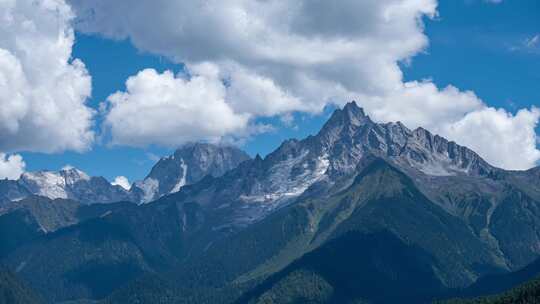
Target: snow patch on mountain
68,183
282,186
73,175
182,180
45,183
149,187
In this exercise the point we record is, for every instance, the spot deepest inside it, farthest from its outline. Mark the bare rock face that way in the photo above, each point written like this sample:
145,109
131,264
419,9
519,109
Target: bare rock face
11,190
68,183
350,134
188,164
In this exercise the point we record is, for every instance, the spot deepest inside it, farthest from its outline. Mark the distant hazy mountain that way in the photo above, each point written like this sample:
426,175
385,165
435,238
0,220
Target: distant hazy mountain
362,212
68,183
187,165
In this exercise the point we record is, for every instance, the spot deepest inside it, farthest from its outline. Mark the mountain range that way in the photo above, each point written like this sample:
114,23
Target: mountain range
361,212
187,165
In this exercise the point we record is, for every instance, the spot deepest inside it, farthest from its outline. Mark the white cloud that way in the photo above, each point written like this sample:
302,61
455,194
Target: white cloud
11,166
502,138
255,94
421,104
276,57
165,109
42,89
122,181
292,55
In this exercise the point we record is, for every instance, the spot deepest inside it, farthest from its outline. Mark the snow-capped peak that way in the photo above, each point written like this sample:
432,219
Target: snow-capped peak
71,183
188,164
45,183
53,184
182,180
73,175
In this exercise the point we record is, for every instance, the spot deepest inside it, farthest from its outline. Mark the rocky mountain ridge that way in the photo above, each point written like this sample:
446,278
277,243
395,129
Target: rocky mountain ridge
260,186
343,141
187,165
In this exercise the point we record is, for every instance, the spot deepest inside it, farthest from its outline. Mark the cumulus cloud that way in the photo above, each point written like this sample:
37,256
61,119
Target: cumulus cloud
506,140
421,104
276,57
298,45
121,181
11,166
165,109
42,89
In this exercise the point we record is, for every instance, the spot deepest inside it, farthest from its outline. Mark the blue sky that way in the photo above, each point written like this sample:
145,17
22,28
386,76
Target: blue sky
473,45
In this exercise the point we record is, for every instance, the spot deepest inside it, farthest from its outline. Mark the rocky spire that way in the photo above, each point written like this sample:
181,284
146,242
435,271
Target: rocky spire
189,164
351,116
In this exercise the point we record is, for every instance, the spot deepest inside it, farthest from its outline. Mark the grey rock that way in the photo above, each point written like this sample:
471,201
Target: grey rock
188,164
11,190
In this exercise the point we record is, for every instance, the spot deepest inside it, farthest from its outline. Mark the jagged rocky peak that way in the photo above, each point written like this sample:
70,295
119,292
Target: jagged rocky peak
350,116
67,183
348,137
336,151
350,134
439,156
346,140
354,113
187,165
66,176
208,159
52,184
72,175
